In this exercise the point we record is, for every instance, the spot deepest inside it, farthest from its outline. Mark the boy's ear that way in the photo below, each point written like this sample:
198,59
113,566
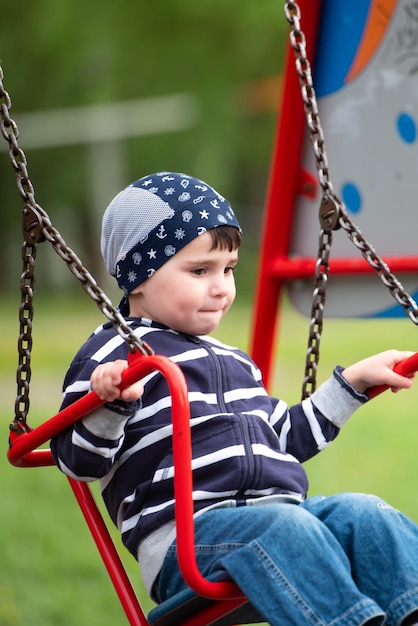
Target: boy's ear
135,291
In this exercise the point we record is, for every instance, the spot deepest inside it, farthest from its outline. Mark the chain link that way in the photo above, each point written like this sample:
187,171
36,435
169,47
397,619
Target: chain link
23,373
37,227
332,212
303,68
389,280
317,313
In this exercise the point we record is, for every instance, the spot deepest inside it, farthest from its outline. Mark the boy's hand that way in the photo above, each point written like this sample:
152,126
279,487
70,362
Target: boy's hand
378,370
106,379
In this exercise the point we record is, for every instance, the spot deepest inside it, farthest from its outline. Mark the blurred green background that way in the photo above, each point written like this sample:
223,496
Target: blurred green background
104,93
225,60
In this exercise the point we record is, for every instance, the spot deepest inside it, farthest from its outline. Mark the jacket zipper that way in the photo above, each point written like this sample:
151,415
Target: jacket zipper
249,455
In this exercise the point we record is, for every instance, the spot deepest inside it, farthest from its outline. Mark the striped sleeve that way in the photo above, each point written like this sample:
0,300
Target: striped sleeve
310,426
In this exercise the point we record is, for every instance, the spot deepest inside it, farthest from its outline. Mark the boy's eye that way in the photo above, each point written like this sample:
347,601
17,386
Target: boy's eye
201,271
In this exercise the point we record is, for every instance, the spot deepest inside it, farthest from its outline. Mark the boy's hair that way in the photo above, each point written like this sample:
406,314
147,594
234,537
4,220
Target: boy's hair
225,238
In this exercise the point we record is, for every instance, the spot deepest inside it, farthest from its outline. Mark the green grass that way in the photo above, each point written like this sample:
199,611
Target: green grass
51,573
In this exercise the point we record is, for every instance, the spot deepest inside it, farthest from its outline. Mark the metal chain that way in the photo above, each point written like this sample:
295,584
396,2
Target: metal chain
332,212
381,268
23,373
37,227
303,68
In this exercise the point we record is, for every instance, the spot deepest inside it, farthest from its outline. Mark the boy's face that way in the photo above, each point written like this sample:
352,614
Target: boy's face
192,291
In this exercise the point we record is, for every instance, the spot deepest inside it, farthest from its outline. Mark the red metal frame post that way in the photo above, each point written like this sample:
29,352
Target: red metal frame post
284,184
109,554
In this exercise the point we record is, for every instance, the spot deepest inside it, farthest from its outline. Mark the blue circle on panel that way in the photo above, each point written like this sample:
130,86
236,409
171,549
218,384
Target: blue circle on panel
407,127
352,197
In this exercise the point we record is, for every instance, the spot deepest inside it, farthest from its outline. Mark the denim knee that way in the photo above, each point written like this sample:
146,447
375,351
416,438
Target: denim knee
365,526
347,507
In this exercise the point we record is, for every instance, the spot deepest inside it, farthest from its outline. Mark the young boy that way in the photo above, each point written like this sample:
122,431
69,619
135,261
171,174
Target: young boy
350,559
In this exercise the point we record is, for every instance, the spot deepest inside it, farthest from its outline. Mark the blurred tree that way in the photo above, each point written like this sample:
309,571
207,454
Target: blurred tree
74,53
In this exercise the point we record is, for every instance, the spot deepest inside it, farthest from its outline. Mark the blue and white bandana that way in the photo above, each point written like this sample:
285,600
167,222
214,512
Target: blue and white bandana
155,217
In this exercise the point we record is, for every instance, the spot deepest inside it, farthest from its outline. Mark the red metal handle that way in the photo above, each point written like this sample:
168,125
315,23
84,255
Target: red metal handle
405,368
23,453
23,449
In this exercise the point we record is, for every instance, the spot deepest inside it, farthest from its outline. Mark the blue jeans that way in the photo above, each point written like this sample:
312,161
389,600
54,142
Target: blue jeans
343,560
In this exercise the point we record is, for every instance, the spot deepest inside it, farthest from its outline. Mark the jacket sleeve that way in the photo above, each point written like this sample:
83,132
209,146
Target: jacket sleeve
87,449
307,428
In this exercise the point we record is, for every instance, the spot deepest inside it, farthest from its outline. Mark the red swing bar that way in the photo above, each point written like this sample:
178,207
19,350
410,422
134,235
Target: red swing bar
23,452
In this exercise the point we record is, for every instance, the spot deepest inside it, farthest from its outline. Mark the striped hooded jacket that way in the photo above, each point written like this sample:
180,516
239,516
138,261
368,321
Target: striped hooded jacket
246,444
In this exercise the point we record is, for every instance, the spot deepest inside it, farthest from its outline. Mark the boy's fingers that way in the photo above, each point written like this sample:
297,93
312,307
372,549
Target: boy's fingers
134,392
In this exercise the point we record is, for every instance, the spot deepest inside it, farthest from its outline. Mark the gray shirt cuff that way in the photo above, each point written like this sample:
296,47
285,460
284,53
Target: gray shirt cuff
106,423
337,399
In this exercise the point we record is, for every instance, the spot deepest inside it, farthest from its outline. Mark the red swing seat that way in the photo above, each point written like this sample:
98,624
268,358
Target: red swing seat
217,602
190,609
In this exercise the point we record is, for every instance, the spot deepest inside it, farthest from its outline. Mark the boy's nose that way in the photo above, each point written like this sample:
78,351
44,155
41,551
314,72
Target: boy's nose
220,286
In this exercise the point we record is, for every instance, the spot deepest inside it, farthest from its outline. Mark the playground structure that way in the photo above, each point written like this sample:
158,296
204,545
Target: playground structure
209,601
